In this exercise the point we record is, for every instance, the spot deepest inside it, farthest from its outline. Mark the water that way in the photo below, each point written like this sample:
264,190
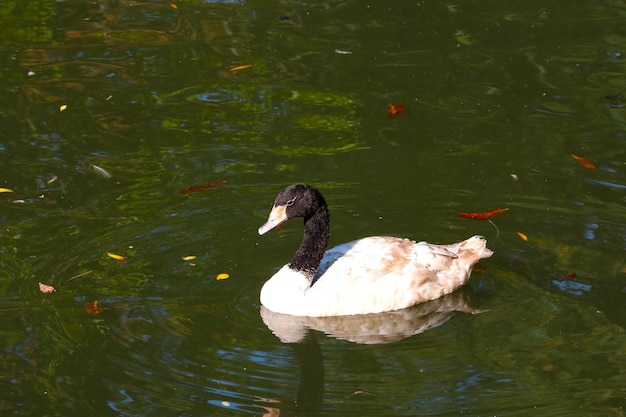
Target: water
497,97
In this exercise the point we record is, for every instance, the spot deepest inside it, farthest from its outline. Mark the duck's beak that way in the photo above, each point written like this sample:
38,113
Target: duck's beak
276,217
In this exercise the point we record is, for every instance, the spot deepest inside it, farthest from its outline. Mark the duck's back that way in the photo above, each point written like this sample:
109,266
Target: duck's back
380,273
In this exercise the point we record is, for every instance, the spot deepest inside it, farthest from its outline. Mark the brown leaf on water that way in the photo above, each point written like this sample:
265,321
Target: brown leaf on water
93,308
394,109
483,215
570,276
46,289
358,392
196,188
584,162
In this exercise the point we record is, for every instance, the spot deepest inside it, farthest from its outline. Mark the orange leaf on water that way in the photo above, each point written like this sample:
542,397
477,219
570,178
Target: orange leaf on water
584,162
483,215
522,236
394,109
93,308
117,257
240,67
46,289
196,188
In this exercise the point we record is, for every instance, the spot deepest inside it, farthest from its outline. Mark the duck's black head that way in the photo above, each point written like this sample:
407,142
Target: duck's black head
298,200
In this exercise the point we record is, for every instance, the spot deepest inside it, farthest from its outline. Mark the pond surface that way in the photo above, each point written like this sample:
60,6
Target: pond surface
108,110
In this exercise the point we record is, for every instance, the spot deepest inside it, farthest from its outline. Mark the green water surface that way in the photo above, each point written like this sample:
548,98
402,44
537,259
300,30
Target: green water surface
109,109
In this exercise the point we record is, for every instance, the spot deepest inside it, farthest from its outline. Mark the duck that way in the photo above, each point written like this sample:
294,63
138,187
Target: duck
369,275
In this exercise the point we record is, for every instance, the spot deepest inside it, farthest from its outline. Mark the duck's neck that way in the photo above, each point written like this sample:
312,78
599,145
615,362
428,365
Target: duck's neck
313,246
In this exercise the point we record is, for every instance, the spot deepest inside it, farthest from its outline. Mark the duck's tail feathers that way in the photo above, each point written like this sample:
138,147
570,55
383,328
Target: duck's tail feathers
476,245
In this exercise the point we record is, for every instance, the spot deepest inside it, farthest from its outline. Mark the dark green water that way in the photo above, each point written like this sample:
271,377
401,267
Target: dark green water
497,97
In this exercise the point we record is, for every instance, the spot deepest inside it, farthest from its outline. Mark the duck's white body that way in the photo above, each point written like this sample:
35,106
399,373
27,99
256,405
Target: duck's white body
372,275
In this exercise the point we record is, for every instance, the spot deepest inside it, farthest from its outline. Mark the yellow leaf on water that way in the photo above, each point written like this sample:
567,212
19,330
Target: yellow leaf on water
523,236
240,67
62,107
6,190
117,257
189,258
222,276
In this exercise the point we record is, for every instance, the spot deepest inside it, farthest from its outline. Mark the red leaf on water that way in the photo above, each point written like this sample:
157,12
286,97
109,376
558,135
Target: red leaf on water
571,276
93,308
196,188
483,215
584,162
394,109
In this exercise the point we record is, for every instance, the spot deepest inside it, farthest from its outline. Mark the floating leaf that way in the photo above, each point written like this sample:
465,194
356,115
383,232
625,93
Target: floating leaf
173,6
571,276
196,188
584,162
240,67
523,236
6,190
358,392
484,215
101,171
62,107
46,289
93,308
189,258
222,276
394,109
117,257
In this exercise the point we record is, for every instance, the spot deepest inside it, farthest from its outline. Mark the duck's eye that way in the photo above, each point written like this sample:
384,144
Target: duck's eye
291,202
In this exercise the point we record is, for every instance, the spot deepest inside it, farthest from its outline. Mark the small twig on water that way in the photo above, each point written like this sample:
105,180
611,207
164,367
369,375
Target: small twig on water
80,275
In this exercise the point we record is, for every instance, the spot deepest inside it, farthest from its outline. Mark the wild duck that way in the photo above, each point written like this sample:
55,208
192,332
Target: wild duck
369,275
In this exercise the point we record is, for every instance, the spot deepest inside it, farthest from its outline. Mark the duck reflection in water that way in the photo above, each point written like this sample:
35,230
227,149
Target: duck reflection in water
376,328
300,333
